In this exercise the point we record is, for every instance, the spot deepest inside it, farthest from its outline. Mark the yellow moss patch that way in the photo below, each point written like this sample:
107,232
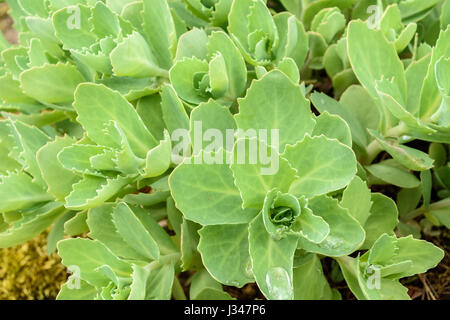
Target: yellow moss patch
27,273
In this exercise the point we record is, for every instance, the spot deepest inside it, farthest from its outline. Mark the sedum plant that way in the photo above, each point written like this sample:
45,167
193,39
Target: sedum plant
165,139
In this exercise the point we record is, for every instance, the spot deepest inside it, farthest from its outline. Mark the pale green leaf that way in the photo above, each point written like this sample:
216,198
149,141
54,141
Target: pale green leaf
224,250
322,165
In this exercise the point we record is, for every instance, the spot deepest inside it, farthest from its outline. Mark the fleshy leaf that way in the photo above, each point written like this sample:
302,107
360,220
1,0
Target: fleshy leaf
322,165
206,193
134,233
88,255
97,105
255,177
224,250
52,170
272,261
273,103
346,234
357,200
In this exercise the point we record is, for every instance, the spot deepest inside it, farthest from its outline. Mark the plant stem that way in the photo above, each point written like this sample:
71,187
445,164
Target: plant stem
374,148
420,211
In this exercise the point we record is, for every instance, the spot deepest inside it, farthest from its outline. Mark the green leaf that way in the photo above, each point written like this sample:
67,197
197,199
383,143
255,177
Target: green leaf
443,82
31,225
326,104
224,250
333,127
53,171
93,191
11,92
183,77
430,98
51,83
346,234
443,215
389,250
105,22
133,58
374,58
78,158
310,282
206,193
69,291
272,261
358,102
159,30
18,191
134,233
28,140
76,225
192,44
313,8
190,257
391,99
328,22
159,158
415,73
409,157
284,214
357,200
150,222
289,68
212,117
132,88
427,184
57,232
74,27
220,43
88,256
173,112
408,200
153,282
34,7
253,29
39,120
383,218
204,287
293,41
174,216
255,179
293,6
393,173
110,105
369,285
445,15
149,109
273,103
102,228
322,165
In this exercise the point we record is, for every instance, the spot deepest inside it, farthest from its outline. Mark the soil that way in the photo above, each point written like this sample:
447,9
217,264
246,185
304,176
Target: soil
6,24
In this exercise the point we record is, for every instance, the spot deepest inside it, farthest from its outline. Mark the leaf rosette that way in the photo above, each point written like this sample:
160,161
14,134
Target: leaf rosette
265,40
218,72
269,212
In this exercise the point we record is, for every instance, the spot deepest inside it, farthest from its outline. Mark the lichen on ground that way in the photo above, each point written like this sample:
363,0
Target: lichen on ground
28,273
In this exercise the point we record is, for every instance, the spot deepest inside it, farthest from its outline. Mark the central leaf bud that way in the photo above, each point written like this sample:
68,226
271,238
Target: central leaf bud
281,212
282,216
